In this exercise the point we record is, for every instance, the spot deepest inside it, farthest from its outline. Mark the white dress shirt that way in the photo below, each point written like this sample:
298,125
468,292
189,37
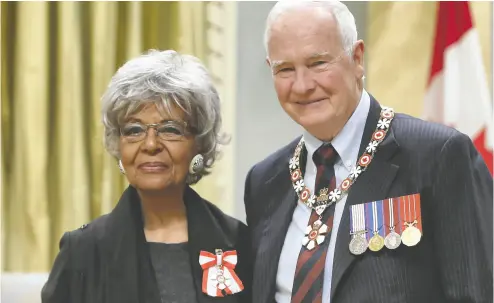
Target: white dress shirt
347,144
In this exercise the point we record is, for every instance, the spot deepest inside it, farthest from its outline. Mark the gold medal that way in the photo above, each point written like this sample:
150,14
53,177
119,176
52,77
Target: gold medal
411,235
376,243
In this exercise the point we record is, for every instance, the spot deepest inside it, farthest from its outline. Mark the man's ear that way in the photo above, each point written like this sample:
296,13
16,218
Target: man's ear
358,58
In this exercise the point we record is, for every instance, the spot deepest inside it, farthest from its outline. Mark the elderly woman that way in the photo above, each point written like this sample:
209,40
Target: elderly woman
162,242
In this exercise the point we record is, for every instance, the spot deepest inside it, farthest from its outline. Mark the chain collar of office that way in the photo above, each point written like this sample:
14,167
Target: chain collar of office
320,202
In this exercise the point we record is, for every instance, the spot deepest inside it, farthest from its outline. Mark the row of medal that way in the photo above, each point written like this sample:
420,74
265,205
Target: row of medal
388,222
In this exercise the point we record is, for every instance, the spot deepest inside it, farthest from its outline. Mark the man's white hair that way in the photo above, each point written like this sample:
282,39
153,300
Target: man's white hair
344,18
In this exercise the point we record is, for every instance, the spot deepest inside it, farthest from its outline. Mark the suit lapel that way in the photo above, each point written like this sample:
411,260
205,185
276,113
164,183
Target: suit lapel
281,203
372,185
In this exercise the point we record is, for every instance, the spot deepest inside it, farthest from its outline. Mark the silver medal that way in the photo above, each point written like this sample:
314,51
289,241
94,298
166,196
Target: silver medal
392,240
358,245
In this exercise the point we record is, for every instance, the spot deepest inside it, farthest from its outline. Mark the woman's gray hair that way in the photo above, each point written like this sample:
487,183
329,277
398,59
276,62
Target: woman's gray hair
167,79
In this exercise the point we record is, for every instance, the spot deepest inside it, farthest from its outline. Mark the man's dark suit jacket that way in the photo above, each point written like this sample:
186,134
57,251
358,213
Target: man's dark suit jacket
453,260
108,260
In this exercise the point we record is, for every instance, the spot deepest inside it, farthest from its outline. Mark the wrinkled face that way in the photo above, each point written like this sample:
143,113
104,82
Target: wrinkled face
315,79
158,158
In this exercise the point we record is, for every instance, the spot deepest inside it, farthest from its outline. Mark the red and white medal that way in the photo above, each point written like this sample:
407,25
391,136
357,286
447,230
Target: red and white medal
219,278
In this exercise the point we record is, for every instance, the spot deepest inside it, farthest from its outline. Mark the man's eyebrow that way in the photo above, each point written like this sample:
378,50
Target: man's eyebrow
277,63
318,55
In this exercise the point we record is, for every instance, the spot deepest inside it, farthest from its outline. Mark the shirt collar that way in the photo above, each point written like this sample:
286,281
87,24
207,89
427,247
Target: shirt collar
347,142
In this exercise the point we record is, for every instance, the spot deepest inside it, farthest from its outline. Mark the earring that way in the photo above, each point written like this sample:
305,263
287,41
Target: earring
196,165
120,166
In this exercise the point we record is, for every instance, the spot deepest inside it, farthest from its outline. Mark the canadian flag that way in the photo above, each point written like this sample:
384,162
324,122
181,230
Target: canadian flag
458,94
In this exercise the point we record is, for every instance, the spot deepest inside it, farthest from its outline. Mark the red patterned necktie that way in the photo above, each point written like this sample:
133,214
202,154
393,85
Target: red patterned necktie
309,273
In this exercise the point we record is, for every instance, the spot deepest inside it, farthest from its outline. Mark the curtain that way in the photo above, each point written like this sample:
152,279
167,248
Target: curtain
57,59
207,30
193,30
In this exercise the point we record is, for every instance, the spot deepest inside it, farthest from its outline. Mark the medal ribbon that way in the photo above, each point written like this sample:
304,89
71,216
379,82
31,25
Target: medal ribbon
417,211
396,215
388,215
378,211
368,220
411,214
357,219
403,213
391,215
410,210
215,265
353,220
374,219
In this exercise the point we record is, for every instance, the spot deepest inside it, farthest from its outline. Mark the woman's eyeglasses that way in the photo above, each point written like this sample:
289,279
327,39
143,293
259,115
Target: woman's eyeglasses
168,131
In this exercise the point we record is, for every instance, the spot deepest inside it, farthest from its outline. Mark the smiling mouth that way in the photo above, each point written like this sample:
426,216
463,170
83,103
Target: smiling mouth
152,167
308,102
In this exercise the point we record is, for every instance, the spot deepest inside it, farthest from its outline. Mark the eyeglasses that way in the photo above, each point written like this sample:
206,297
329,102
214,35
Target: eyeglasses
167,131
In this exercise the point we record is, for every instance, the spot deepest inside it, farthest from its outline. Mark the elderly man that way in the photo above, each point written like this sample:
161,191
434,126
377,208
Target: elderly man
368,205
